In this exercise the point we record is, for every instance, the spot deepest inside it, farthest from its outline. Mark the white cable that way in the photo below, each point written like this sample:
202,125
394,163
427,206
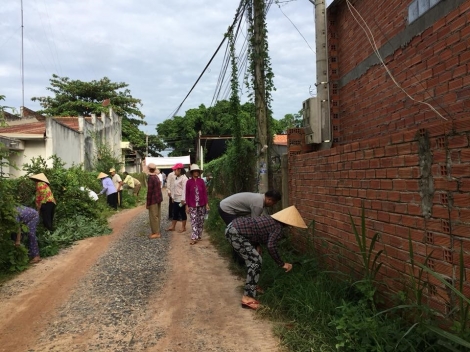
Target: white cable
376,51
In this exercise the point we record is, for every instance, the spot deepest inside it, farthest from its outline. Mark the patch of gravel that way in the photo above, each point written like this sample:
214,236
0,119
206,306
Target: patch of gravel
112,298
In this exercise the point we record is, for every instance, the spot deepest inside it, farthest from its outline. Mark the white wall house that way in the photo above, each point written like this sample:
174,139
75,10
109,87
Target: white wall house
74,139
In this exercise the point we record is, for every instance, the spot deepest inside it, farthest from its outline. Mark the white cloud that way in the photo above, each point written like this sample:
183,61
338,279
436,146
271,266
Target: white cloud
158,47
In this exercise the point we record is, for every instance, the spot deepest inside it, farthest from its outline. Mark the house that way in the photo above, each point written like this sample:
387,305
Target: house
75,140
400,142
131,159
279,146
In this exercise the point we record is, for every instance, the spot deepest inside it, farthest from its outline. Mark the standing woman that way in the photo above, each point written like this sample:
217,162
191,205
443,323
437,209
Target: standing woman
178,194
154,201
45,202
111,191
196,202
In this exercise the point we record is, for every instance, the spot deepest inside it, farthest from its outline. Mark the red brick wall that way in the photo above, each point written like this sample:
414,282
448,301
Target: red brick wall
433,67
385,174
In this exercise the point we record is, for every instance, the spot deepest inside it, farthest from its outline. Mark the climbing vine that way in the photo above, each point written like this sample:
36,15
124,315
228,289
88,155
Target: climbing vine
259,78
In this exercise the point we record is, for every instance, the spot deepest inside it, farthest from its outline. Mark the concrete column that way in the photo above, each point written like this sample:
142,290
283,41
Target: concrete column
285,181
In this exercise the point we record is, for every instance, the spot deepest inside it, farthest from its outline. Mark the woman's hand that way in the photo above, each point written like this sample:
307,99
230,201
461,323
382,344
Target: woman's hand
287,267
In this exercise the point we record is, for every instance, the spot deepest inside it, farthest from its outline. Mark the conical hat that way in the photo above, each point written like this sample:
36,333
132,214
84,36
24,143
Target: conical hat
102,175
40,177
290,216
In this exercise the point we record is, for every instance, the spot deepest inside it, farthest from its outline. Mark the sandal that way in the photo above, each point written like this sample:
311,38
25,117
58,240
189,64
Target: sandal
251,305
193,242
259,290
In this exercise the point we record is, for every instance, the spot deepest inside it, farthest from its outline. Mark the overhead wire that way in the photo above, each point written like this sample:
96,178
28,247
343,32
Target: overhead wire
226,62
371,39
412,72
279,6
54,63
52,35
240,10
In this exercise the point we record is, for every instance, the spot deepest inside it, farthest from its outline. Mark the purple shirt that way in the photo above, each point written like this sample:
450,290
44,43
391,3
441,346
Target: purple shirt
108,186
196,194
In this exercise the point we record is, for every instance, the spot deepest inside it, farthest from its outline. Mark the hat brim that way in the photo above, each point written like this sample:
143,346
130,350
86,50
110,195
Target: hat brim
40,177
290,216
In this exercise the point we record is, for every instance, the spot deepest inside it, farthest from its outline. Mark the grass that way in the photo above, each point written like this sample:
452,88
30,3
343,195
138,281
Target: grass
316,310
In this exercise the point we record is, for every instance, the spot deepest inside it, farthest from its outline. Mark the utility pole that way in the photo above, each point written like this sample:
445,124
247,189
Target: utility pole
260,94
22,62
147,145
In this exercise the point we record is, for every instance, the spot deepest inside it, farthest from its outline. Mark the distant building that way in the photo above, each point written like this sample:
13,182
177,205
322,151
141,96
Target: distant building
74,139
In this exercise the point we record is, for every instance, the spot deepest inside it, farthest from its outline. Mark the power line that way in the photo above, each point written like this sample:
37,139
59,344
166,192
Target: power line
279,6
240,10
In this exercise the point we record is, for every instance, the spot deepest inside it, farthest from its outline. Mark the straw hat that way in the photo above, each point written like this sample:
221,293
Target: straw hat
152,166
290,216
194,167
40,177
102,175
112,169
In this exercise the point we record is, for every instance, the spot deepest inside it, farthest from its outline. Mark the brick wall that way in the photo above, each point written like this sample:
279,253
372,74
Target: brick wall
412,183
430,59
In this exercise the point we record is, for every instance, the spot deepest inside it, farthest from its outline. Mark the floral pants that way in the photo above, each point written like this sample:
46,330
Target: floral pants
30,218
196,215
253,259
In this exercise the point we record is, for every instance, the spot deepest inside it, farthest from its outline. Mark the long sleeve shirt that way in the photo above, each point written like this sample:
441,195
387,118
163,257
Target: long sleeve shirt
264,230
108,186
169,181
244,203
154,190
196,193
43,194
178,189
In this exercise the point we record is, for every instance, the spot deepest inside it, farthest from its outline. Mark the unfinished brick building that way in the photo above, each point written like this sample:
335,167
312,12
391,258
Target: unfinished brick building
400,146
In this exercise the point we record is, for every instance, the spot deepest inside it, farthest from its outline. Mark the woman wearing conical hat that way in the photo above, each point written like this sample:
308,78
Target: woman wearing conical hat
45,201
109,189
265,230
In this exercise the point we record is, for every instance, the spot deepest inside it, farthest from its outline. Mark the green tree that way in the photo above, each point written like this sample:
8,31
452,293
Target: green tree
180,132
77,98
289,121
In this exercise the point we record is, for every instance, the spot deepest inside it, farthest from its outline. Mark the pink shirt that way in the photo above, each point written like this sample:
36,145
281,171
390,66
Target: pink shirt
196,193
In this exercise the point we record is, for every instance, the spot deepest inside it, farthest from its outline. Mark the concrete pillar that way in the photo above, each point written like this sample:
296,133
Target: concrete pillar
285,181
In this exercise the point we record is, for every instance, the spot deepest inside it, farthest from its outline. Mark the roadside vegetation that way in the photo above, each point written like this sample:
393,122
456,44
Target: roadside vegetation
317,309
77,216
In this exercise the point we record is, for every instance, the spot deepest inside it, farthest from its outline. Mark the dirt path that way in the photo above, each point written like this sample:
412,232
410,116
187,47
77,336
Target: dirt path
188,301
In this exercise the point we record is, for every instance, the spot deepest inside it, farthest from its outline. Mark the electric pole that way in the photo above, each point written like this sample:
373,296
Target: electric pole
259,36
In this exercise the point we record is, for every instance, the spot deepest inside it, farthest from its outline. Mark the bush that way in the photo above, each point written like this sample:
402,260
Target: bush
77,216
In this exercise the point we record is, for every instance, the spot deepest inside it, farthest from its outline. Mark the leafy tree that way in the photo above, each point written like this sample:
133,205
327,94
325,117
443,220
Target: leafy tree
77,98
180,132
289,121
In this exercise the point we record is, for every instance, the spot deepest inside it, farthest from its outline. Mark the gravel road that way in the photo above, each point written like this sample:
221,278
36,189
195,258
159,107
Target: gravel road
125,292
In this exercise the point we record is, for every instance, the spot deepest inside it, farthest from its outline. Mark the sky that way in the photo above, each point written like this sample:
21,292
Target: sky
158,47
